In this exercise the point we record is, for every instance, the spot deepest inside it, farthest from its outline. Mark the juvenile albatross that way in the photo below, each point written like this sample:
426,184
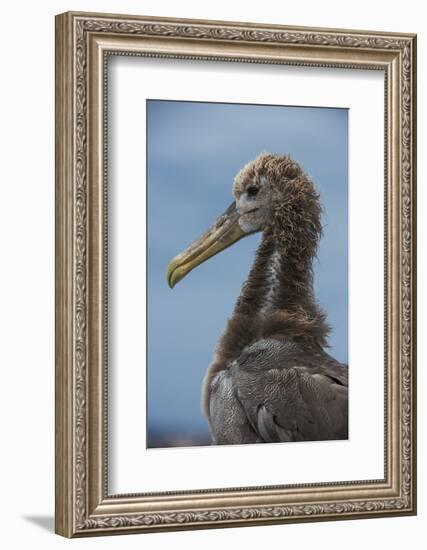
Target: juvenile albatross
271,379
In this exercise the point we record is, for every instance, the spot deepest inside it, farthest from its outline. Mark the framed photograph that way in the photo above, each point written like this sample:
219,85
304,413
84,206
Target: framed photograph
235,274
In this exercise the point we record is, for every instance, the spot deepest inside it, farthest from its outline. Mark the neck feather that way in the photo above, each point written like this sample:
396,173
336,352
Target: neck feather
276,301
278,281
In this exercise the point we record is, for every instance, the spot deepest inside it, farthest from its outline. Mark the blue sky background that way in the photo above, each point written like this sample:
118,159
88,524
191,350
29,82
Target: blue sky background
194,152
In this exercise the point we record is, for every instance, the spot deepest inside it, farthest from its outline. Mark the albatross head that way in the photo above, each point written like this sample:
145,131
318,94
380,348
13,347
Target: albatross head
272,194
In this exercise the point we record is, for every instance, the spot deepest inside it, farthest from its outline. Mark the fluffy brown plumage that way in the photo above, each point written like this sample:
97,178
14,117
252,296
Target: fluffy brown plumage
240,383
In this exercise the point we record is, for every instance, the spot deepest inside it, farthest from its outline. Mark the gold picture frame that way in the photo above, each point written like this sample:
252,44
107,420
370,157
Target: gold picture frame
83,43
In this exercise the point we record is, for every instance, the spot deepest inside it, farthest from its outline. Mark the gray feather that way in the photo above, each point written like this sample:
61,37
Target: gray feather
276,391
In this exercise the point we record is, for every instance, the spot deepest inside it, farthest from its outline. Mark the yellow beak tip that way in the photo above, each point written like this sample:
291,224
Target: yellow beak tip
171,274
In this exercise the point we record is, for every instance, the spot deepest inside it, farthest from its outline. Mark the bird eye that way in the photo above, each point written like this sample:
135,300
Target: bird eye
252,191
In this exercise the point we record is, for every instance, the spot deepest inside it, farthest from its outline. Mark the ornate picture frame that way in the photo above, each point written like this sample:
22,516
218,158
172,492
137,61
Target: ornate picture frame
84,41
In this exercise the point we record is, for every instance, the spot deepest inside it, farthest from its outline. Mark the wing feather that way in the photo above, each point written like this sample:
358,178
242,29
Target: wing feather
287,398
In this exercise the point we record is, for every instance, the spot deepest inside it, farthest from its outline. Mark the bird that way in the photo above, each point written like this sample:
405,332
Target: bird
271,379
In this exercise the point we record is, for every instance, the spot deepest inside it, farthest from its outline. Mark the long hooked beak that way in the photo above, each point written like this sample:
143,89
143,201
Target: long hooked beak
223,233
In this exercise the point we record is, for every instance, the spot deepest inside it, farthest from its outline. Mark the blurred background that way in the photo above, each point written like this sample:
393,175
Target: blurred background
194,152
